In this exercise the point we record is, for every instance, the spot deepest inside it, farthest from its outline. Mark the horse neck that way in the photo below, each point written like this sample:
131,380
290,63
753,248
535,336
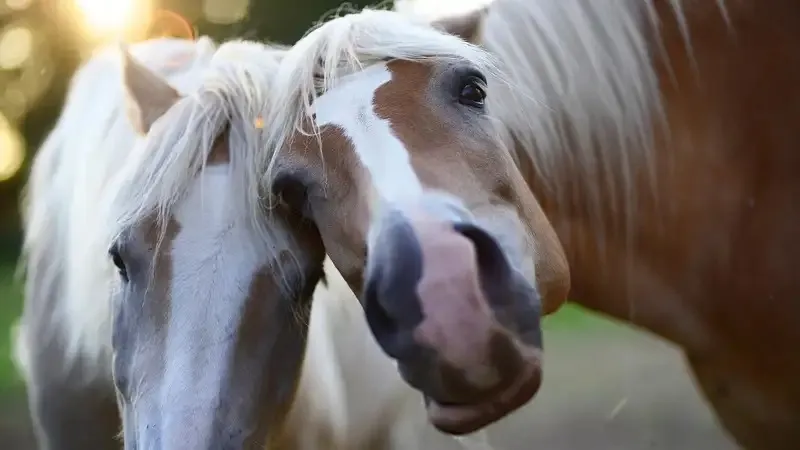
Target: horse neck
680,193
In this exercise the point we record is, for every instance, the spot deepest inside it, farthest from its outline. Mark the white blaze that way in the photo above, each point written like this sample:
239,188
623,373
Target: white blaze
215,257
350,106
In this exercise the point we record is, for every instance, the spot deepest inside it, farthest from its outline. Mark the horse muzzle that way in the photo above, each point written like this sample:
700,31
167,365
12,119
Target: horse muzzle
463,325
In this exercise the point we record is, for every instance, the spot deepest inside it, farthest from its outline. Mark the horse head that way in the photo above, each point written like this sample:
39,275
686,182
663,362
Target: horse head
384,142
210,313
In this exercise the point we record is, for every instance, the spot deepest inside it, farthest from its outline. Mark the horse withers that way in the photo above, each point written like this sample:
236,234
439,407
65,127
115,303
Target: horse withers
384,142
660,137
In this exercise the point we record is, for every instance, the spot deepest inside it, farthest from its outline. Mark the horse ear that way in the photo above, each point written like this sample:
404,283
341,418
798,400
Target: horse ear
148,96
466,26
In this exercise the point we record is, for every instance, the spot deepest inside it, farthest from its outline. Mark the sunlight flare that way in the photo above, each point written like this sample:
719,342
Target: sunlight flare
110,17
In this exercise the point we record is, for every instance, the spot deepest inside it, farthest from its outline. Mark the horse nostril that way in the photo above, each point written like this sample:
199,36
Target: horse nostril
390,300
511,296
492,261
292,192
383,328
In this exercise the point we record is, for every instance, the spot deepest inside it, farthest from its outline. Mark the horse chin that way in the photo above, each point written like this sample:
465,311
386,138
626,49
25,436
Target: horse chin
460,419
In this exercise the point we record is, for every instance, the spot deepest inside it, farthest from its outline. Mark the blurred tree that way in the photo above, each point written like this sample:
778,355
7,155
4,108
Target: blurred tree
286,21
40,90
31,95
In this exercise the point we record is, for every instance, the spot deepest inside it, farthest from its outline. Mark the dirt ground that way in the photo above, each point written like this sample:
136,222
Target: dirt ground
606,389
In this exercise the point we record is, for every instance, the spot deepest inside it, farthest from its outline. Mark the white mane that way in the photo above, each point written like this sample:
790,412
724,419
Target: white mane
347,44
94,176
233,91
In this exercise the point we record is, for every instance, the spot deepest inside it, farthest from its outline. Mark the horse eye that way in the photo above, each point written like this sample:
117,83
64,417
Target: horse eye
472,94
292,192
116,258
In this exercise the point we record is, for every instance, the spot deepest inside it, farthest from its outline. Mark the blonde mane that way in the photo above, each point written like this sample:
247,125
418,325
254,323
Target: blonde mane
345,45
582,96
94,176
589,68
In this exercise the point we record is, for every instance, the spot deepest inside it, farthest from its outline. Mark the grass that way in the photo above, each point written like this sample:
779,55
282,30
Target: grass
10,309
572,317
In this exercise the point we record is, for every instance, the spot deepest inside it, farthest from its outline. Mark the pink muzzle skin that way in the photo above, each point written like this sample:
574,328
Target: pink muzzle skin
463,325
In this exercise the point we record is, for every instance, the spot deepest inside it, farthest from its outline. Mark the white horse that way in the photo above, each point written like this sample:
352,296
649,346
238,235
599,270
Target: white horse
92,177
64,347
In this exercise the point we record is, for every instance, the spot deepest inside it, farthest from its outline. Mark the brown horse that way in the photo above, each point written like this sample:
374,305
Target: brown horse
661,139
385,144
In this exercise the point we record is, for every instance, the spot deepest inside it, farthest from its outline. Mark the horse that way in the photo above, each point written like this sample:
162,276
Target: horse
385,144
660,139
208,297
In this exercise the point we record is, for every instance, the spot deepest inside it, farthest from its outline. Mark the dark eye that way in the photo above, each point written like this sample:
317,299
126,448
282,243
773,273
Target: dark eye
116,258
472,92
292,192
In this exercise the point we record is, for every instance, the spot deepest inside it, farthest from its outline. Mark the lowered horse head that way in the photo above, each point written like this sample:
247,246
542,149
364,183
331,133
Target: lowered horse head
208,333
384,142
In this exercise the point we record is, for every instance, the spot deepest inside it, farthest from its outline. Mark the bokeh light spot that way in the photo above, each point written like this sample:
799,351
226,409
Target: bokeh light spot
12,150
225,11
166,23
18,5
16,44
15,104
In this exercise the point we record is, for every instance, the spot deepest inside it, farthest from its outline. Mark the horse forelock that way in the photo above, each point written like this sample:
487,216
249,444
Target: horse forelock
231,94
345,45
583,96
